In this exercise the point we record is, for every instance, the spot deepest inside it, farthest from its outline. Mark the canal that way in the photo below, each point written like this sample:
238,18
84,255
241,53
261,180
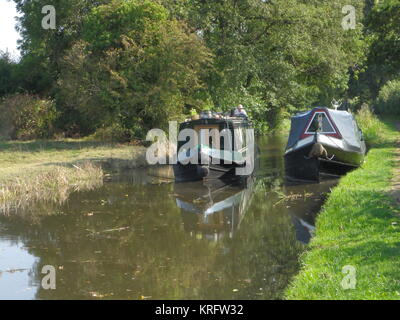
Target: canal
141,236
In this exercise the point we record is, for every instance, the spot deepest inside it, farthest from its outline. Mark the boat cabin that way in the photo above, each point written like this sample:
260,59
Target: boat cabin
227,137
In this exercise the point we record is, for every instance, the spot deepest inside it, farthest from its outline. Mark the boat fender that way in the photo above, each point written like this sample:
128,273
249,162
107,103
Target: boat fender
203,171
318,151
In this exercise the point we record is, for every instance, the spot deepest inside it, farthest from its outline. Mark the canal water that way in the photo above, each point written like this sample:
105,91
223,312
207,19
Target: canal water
141,236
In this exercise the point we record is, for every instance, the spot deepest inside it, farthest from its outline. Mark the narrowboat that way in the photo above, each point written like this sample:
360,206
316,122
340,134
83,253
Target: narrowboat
323,143
221,147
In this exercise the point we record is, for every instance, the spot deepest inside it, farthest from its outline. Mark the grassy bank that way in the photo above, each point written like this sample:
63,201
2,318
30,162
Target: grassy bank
358,226
50,170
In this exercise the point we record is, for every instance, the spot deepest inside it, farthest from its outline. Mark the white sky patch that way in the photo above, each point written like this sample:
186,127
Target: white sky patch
8,34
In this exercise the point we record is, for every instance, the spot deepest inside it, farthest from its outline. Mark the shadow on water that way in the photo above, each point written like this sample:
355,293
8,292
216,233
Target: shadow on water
145,237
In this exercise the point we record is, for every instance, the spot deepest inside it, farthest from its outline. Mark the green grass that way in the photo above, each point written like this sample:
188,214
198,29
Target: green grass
373,130
359,225
32,157
48,171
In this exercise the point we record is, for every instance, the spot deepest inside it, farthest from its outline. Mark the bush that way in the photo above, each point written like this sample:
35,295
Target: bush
26,117
388,101
370,125
140,76
112,133
7,70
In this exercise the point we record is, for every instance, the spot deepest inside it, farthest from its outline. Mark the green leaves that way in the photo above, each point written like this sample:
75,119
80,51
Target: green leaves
25,117
139,63
141,68
388,101
383,25
105,25
285,54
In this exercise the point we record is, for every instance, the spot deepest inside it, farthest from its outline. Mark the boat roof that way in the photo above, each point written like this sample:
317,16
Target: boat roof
234,121
344,124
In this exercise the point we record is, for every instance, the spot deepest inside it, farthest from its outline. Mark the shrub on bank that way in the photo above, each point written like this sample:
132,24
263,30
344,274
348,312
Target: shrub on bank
370,125
113,133
388,101
26,117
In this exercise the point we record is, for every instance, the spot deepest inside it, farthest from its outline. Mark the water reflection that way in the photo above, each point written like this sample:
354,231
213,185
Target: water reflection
15,270
304,201
213,210
142,237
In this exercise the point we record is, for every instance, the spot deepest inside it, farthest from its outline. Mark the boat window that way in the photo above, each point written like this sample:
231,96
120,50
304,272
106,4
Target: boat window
320,123
226,140
208,135
215,139
239,142
244,134
222,142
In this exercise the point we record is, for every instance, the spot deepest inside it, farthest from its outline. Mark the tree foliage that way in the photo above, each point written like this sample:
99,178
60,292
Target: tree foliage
133,65
383,25
388,101
276,56
382,29
26,117
140,75
7,74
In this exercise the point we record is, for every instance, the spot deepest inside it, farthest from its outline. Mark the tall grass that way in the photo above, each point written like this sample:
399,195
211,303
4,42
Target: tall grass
371,126
36,175
53,186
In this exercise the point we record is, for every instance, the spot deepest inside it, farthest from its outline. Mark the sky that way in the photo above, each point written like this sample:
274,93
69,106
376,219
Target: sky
8,34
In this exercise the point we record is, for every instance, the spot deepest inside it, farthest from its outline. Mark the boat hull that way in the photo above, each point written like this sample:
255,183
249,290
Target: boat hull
224,172
299,166
196,172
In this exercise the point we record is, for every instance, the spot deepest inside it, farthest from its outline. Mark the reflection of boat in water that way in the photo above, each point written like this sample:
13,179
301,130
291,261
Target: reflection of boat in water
304,203
213,210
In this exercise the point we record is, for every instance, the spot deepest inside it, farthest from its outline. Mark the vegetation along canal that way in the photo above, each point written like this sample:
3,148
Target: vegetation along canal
143,237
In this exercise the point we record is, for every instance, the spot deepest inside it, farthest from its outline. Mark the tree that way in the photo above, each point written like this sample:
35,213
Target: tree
383,29
7,70
134,66
42,49
275,55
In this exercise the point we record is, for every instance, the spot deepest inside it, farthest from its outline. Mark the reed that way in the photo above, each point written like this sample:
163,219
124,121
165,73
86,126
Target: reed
53,186
38,174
